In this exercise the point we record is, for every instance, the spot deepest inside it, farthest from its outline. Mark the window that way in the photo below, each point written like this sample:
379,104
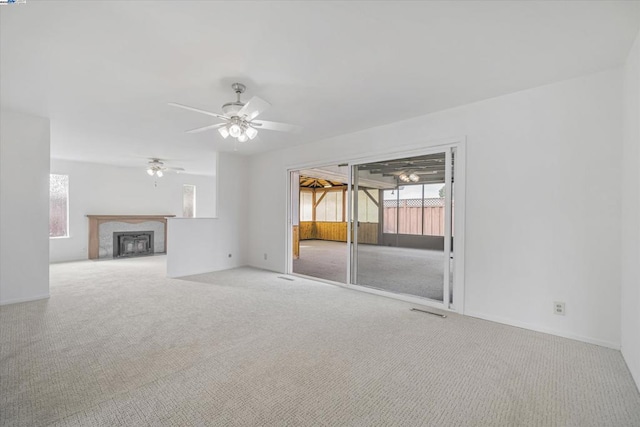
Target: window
367,207
58,205
189,201
330,207
306,206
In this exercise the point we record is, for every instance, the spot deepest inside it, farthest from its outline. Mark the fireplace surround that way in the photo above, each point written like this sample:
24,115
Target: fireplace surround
102,227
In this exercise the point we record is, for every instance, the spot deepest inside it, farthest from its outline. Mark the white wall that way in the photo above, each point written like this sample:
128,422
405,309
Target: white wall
630,318
24,207
112,190
543,201
203,245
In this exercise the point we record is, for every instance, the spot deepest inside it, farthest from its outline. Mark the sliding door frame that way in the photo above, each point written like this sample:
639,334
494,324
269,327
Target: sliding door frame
426,148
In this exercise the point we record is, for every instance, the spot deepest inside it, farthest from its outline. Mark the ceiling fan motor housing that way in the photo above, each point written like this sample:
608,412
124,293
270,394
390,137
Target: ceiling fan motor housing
231,109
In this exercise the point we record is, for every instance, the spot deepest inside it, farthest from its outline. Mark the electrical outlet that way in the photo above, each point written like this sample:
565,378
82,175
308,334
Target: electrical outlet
265,256
558,308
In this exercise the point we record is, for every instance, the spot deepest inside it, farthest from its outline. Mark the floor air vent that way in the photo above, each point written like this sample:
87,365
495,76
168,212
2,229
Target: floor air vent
429,312
285,278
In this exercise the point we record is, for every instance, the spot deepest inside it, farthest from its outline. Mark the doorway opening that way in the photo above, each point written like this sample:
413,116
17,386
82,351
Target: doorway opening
413,253
320,223
388,225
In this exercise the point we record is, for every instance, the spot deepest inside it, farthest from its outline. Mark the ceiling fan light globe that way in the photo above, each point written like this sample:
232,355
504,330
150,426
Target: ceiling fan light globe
414,177
224,132
251,132
235,130
243,137
159,173
150,172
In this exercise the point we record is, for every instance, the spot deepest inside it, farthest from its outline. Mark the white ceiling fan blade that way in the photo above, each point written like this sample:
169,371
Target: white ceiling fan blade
281,127
197,110
175,169
253,108
202,129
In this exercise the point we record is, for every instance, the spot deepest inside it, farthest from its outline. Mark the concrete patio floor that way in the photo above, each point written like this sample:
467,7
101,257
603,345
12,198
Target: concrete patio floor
418,272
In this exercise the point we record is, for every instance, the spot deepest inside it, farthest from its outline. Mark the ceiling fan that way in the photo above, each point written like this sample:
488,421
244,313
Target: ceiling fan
157,168
239,118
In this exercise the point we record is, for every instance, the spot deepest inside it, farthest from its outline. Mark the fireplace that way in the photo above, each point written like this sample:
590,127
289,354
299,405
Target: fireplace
101,229
132,243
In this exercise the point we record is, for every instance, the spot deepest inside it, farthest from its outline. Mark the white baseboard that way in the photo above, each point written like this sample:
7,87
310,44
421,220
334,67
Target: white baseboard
26,299
524,325
212,269
63,261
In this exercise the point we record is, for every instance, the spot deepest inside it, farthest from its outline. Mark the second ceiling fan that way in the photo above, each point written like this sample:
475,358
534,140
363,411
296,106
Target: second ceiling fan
239,119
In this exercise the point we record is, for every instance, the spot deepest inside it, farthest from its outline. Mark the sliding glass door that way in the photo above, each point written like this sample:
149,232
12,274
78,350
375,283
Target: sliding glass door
401,228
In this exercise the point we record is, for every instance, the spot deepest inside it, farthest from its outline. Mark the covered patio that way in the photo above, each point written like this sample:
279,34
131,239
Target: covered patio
400,207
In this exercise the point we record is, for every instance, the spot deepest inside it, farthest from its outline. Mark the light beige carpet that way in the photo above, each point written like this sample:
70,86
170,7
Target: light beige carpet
119,344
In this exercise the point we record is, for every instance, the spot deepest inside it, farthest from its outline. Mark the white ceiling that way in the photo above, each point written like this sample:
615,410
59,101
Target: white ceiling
104,71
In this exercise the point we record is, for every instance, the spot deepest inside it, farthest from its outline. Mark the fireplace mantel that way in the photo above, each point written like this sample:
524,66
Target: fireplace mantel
96,220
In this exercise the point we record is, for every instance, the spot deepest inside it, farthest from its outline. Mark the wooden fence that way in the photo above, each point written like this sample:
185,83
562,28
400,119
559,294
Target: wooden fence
410,218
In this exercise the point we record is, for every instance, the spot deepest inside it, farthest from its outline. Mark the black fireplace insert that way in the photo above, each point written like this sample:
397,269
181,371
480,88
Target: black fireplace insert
128,244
